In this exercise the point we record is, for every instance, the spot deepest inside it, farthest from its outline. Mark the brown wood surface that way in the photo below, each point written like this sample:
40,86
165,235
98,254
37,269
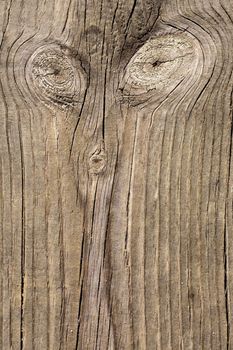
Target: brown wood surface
116,175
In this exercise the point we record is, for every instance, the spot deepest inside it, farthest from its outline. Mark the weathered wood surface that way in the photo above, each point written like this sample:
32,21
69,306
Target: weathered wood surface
116,175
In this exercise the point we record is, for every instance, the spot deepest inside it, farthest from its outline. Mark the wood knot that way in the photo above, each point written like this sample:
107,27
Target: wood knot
160,64
98,161
57,76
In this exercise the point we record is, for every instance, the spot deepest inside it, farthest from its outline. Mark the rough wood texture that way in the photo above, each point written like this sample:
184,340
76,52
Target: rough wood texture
116,175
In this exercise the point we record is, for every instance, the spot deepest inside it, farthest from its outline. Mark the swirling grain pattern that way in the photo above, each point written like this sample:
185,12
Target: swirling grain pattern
116,175
56,79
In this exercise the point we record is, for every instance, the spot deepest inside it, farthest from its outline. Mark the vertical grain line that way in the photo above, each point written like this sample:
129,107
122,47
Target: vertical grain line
22,234
2,249
226,283
33,242
226,287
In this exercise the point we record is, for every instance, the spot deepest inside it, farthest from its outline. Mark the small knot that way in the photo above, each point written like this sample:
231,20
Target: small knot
98,161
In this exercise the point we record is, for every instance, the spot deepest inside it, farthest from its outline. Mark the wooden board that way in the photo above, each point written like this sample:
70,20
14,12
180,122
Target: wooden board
116,175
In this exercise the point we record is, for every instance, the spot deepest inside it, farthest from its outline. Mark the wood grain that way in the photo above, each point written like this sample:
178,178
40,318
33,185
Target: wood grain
116,175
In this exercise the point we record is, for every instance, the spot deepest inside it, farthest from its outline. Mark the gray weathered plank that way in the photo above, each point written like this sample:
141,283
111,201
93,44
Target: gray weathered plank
116,175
